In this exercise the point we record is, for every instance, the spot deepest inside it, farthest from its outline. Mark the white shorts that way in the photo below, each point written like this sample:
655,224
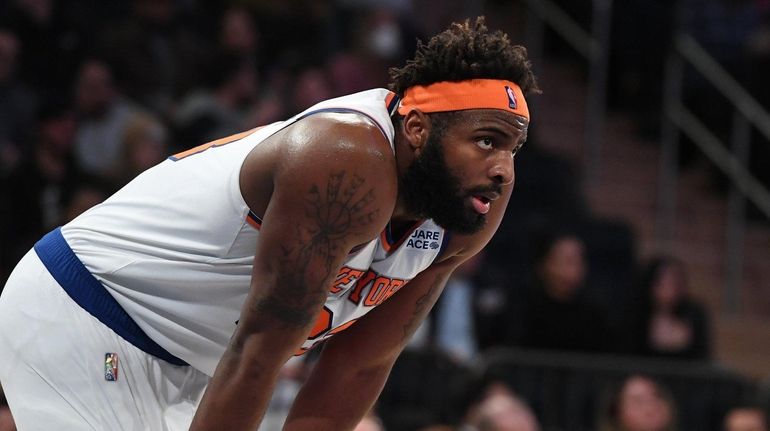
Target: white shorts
54,372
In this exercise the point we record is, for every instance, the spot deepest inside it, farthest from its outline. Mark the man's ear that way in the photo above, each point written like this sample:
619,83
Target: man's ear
417,127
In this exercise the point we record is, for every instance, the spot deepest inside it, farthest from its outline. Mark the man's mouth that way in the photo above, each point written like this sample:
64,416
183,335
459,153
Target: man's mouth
481,203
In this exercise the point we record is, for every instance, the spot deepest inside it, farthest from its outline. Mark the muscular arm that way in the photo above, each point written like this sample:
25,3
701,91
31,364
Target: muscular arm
356,363
326,198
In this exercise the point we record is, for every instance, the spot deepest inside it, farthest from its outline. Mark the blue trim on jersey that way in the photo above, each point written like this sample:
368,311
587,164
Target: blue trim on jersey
254,217
393,104
92,296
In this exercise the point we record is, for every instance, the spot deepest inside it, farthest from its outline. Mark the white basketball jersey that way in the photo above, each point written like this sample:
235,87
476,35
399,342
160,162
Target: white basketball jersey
175,246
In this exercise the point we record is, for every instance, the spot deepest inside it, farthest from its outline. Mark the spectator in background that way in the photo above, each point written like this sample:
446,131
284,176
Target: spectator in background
86,194
426,389
143,146
311,86
453,315
556,315
547,193
226,99
17,105
221,108
380,33
746,418
155,54
500,409
33,198
492,307
669,322
298,29
380,39
450,328
348,72
102,117
47,51
239,35
639,403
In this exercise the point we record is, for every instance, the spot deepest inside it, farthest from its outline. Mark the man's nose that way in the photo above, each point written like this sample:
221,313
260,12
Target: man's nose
501,170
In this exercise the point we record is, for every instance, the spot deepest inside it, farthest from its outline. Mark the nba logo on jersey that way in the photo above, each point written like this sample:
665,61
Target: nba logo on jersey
511,97
111,367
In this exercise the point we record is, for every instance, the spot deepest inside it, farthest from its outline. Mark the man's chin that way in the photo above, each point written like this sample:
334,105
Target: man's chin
470,224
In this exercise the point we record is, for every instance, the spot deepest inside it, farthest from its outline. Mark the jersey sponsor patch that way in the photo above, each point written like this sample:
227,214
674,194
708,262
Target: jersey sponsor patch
424,239
111,367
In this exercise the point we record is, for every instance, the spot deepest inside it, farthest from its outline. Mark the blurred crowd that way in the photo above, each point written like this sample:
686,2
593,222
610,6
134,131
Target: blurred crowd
93,93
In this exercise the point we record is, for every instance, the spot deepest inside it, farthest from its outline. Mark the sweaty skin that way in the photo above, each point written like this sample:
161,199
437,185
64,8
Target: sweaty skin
325,185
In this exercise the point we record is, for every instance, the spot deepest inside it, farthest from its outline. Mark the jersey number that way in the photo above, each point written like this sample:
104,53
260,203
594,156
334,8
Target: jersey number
322,325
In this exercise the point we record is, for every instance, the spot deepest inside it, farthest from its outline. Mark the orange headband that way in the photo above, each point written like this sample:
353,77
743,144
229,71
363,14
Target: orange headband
469,94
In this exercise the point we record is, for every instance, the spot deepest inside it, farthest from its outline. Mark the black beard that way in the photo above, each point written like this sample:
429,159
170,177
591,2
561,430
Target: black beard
430,190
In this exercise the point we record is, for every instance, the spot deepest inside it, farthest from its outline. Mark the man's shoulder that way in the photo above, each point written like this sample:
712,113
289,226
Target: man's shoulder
340,153
375,105
341,134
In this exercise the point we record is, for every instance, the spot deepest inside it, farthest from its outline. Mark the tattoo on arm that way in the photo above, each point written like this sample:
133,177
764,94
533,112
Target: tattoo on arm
421,305
309,259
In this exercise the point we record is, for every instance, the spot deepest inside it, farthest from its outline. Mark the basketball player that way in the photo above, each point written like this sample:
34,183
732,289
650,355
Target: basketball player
208,271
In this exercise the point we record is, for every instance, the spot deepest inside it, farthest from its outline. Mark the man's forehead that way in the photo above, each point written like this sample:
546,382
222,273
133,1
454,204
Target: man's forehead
496,116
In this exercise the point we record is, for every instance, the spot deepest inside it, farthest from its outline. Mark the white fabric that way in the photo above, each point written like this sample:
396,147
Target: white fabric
174,247
52,356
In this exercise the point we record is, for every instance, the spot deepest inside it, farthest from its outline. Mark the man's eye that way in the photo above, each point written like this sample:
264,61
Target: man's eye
484,143
518,147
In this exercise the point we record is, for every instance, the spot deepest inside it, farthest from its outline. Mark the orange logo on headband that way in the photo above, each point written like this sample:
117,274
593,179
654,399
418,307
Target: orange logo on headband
470,94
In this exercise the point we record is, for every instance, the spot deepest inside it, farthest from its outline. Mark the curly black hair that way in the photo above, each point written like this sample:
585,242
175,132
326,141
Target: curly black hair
466,51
